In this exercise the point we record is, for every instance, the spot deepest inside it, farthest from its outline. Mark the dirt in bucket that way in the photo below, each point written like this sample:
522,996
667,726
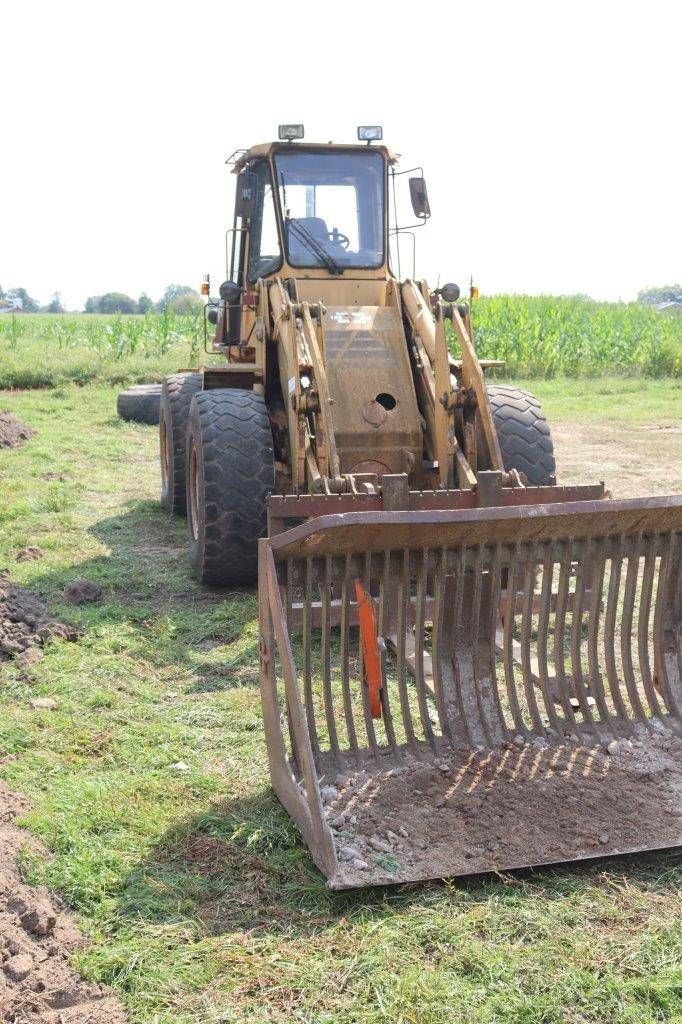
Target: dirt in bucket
506,807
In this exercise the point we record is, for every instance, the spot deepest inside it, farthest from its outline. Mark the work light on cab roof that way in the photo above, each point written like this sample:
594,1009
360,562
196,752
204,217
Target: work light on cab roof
448,640
289,132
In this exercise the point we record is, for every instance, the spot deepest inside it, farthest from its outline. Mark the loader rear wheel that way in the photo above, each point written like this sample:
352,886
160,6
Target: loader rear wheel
177,392
523,433
230,473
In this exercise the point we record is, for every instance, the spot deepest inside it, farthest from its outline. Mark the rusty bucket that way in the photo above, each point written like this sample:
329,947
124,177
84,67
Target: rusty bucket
450,692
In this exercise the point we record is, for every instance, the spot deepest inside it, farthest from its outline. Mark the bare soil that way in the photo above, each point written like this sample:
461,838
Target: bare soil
37,939
12,431
25,621
513,806
632,461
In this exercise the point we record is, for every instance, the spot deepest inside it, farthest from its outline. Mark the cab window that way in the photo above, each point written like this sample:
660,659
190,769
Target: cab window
265,255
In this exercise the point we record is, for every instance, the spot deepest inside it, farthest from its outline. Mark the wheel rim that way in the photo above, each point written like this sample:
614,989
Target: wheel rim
193,495
165,455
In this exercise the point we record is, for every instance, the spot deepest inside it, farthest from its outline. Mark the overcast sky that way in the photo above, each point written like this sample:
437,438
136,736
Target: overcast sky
549,133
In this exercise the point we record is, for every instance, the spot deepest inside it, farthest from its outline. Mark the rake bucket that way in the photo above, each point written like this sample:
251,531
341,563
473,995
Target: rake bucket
449,692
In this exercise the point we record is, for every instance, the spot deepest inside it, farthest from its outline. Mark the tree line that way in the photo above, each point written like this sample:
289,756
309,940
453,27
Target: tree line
20,297
178,298
656,296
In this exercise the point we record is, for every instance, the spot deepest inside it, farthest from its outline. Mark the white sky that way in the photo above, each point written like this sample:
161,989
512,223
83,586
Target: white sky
549,133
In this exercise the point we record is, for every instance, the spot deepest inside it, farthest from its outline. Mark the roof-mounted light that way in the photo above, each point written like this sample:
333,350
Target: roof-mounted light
289,132
370,133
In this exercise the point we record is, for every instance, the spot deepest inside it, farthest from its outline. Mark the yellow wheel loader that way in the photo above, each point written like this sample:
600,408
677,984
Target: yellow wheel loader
464,667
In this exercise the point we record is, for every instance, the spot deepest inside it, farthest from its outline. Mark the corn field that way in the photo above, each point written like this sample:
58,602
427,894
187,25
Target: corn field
538,337
546,336
115,336
45,350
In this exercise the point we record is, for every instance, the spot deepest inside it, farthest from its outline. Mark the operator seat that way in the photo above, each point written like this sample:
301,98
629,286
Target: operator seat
317,227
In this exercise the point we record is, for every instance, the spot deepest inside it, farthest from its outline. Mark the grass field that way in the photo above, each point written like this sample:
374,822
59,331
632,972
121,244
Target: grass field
149,784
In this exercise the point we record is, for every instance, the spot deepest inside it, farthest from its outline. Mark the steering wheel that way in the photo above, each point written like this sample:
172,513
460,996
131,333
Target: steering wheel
338,238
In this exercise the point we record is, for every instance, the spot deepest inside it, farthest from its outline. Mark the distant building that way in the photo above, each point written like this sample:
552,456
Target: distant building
11,304
671,306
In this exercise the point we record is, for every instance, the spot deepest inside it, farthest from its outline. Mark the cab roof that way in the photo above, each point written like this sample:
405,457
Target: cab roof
242,157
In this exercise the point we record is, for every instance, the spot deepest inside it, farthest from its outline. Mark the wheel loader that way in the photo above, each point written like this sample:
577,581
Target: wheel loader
464,666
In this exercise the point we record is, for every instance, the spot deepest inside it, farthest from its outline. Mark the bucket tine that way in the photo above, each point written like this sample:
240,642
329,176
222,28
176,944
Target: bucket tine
325,595
526,628
643,625
384,592
562,596
307,647
460,678
508,645
402,601
543,634
626,628
610,630
493,614
439,588
576,646
667,622
596,560
419,648
366,706
479,649
345,677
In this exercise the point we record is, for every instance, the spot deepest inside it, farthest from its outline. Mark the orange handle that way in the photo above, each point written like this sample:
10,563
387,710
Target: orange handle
370,648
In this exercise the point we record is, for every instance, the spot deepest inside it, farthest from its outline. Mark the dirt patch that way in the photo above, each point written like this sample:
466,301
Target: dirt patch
37,939
467,812
30,553
12,431
645,461
25,621
83,592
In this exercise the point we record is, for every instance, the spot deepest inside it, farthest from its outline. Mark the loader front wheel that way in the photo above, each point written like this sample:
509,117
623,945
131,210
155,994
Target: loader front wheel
523,433
230,473
177,392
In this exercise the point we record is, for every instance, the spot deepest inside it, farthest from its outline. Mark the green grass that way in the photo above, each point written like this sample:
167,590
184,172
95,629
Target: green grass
628,400
200,902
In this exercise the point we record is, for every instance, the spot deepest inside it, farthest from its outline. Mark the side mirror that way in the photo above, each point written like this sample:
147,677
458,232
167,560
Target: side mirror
419,197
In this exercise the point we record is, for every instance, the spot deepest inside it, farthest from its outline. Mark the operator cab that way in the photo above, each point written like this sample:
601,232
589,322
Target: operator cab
314,209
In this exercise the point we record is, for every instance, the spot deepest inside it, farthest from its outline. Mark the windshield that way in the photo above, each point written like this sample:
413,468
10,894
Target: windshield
333,208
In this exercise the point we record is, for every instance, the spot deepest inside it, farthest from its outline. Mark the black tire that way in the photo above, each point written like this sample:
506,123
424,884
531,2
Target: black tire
177,392
140,403
230,472
523,433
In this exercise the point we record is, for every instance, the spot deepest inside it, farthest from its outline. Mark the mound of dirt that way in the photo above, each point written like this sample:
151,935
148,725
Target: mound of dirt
25,621
83,592
37,939
12,431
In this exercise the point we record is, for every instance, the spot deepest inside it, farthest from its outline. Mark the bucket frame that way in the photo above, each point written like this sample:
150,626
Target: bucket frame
529,656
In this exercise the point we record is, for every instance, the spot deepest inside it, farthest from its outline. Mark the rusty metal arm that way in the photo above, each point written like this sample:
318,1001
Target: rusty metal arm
472,377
